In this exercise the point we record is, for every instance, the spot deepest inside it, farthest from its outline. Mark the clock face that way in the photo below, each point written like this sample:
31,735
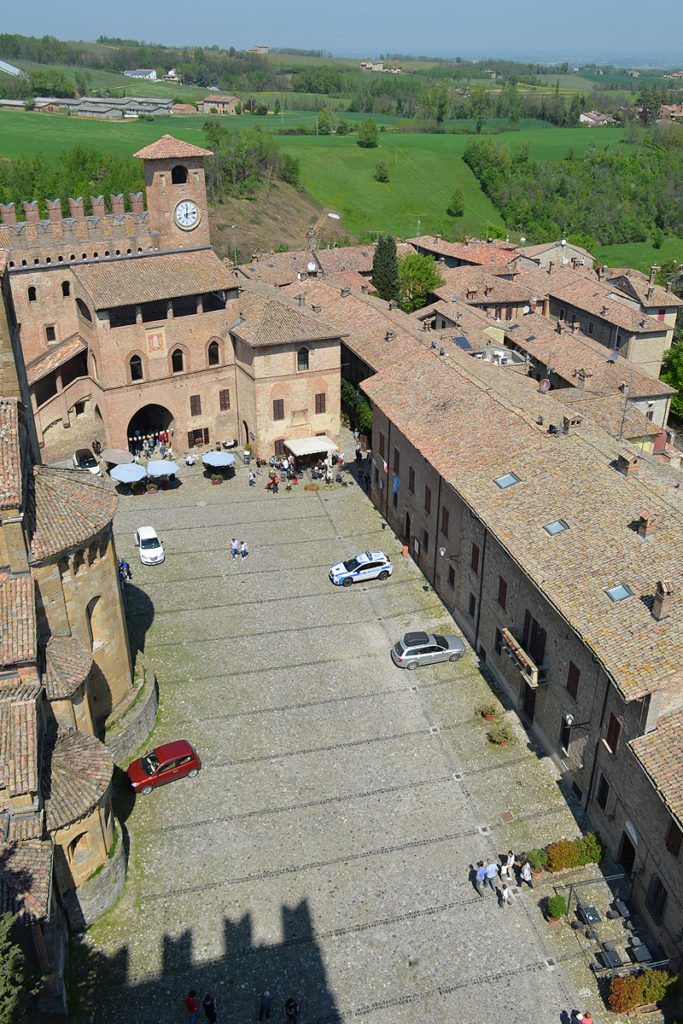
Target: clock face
187,215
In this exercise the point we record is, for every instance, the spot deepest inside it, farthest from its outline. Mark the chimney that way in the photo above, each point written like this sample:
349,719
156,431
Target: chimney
628,463
646,523
550,267
598,271
345,292
393,304
650,293
661,607
31,212
653,271
575,326
574,262
300,298
390,335
76,209
532,304
316,307
118,206
9,214
365,288
488,290
437,238
137,204
569,422
54,210
98,208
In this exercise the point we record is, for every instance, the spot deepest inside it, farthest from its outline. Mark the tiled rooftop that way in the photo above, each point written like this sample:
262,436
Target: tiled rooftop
475,251
55,357
637,285
68,508
26,878
76,773
168,148
474,422
151,276
487,287
67,663
17,620
274,321
18,747
10,458
613,413
661,755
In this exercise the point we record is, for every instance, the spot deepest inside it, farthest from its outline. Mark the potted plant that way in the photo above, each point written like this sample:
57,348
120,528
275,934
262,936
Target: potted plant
555,908
152,487
488,710
500,733
537,861
216,478
137,487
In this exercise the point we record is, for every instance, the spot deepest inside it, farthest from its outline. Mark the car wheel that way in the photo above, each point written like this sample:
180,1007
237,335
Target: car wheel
347,582
146,789
191,774
454,657
383,575
411,666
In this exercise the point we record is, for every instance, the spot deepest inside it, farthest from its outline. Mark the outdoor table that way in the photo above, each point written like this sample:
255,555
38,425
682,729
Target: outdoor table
622,908
610,958
641,954
589,915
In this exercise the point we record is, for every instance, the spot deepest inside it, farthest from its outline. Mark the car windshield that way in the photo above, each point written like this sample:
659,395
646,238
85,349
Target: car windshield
149,763
398,648
149,542
351,564
87,461
441,641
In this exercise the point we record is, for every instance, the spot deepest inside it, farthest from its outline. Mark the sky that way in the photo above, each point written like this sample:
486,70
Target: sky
626,31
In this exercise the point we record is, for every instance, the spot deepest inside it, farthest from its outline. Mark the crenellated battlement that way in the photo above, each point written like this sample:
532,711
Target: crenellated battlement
60,238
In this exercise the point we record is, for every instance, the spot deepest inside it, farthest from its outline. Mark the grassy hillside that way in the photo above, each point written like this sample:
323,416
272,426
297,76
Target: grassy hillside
640,255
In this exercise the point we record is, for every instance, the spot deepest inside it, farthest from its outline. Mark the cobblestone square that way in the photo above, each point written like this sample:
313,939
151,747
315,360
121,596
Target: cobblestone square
324,850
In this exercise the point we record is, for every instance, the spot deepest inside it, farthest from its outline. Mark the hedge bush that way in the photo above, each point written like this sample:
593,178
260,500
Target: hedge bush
638,990
557,906
571,853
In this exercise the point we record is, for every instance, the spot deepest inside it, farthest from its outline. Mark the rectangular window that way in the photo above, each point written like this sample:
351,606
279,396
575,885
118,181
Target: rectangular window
428,499
280,447
533,638
320,403
656,899
50,334
394,499
613,733
397,461
425,541
451,576
498,645
411,480
602,794
661,314
502,592
590,326
381,444
195,405
279,409
472,606
474,561
224,399
673,838
573,680
444,520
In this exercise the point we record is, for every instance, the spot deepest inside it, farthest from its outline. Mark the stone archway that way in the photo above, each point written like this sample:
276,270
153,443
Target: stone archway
148,422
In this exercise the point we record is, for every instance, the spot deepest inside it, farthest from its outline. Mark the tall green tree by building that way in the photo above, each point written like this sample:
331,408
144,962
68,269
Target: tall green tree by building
385,269
419,277
17,979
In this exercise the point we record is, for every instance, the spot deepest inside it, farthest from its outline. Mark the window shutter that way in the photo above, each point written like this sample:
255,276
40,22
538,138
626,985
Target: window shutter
206,435
190,439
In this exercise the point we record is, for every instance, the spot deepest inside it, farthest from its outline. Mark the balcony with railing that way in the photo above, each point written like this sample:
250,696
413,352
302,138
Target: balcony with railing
533,675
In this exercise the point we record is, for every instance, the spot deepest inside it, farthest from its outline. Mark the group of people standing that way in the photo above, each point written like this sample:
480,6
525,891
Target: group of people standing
507,870
211,1011
238,547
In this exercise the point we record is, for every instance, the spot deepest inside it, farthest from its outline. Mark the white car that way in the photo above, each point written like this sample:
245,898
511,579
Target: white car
84,459
368,565
149,546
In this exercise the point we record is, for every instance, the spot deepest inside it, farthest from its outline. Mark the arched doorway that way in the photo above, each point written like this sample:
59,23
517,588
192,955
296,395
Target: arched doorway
245,428
153,423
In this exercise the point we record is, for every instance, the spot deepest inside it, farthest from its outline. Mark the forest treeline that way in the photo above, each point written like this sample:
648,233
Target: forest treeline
603,197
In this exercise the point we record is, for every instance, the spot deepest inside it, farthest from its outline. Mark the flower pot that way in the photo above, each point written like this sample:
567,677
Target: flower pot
488,718
503,743
552,920
152,490
215,483
311,487
536,872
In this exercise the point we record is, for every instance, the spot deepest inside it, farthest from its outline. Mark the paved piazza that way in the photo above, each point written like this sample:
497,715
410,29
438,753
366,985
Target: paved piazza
324,850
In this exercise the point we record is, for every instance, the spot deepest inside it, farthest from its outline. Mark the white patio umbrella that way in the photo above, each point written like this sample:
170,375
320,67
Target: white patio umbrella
116,456
128,473
161,467
218,459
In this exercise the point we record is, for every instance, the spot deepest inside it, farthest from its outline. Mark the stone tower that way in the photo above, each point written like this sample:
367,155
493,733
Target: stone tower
176,193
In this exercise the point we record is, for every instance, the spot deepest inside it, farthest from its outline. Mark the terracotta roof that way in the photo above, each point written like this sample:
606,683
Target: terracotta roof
463,281
270,321
77,772
68,509
536,250
613,413
637,285
18,747
661,755
17,620
476,251
67,664
150,276
475,422
278,268
10,455
26,878
168,148
53,358
347,257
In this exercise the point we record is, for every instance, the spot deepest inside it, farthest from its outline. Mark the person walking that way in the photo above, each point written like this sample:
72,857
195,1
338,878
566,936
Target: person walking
525,874
491,873
252,478
265,1004
480,877
191,1005
234,548
291,1009
504,895
209,1007
276,483
244,549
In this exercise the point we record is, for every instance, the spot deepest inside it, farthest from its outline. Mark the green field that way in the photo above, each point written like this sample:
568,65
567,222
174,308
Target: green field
640,255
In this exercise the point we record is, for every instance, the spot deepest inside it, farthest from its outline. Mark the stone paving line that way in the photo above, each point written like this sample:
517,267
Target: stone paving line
324,849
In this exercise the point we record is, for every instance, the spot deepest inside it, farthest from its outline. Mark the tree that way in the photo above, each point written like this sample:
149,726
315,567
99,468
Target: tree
368,133
17,978
343,127
456,204
479,103
385,269
419,277
324,122
381,172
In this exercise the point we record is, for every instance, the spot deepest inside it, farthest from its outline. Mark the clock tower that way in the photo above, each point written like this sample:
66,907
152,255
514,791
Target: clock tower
176,193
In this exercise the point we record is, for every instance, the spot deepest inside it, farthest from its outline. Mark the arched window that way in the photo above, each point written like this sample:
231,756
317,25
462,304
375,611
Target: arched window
96,614
79,848
135,368
179,175
83,310
302,359
31,294
66,288
214,353
177,361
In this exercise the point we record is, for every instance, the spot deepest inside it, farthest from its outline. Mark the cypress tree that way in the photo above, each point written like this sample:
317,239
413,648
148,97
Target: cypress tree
385,268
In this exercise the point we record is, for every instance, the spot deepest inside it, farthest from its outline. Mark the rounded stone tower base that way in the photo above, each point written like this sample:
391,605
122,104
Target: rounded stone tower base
93,897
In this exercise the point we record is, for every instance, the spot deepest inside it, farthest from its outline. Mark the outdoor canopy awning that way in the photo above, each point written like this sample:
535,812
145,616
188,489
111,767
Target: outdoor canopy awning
310,445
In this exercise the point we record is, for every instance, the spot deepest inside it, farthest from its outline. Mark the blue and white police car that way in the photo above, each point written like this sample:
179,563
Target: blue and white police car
369,565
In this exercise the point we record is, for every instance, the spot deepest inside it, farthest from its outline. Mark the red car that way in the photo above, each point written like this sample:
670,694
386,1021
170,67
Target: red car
163,764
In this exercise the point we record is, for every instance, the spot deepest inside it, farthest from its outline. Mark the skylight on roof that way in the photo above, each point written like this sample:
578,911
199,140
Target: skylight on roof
557,526
462,342
508,480
619,593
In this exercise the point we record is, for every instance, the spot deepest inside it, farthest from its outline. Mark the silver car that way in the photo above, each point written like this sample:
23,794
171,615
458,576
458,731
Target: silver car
426,649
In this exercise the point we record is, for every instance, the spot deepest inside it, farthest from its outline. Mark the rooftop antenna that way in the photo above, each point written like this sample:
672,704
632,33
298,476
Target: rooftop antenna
627,396
419,220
